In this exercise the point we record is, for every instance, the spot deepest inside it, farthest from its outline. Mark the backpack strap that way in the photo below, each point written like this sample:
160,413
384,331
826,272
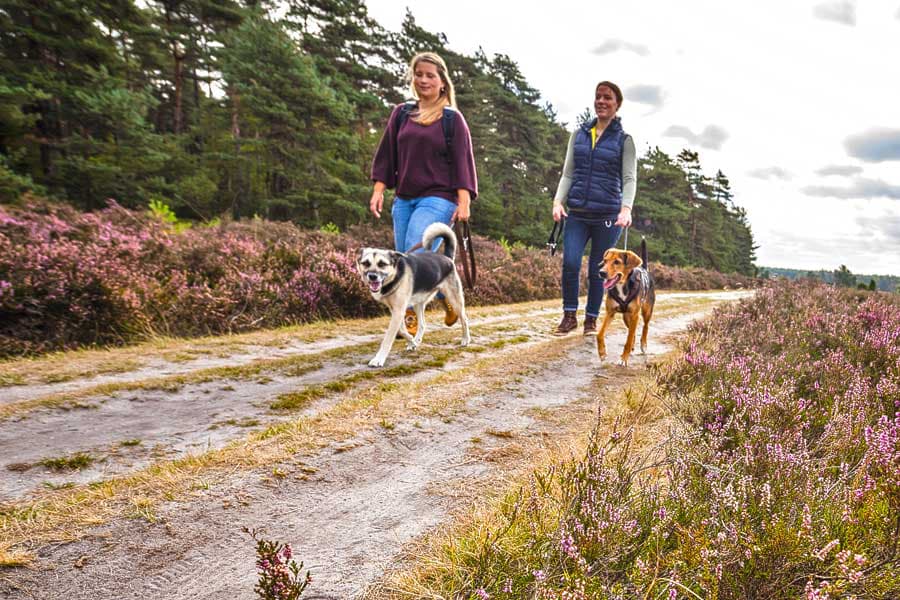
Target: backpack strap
399,120
448,126
403,113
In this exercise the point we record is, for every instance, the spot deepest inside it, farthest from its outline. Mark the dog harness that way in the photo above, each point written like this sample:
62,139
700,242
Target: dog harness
633,290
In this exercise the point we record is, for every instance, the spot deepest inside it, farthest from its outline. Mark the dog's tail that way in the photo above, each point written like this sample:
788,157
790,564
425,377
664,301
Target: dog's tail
439,230
644,262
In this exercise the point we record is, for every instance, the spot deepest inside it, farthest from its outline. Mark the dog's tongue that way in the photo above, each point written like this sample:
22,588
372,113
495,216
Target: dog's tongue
374,285
611,282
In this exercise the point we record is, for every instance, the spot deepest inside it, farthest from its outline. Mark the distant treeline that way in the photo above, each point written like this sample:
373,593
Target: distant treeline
840,276
233,109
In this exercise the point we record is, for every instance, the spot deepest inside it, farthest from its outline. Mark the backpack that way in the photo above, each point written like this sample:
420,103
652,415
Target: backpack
448,125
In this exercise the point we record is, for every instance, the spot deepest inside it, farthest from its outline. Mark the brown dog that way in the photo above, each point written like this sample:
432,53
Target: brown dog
630,291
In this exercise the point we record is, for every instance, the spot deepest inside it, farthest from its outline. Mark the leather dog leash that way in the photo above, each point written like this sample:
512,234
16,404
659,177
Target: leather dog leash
466,251
556,235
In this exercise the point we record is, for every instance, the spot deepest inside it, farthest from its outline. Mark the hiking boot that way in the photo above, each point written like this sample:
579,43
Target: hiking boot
590,325
450,316
568,323
411,322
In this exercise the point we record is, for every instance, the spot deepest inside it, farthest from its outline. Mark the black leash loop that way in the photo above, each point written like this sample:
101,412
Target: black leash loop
466,251
556,235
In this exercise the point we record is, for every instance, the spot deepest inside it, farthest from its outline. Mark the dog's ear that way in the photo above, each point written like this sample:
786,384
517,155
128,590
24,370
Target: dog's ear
633,259
359,254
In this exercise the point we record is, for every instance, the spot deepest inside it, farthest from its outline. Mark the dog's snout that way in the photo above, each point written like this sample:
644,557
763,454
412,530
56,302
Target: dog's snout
603,274
372,276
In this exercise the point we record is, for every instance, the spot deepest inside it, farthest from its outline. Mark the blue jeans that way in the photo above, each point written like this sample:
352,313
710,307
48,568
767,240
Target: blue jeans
603,235
411,217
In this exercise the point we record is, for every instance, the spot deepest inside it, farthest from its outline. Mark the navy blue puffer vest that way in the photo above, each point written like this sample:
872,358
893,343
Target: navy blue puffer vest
597,181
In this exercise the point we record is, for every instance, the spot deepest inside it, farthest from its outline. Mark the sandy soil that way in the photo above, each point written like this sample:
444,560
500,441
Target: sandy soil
348,509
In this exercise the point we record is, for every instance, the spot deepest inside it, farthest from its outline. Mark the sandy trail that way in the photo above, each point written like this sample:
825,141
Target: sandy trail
348,509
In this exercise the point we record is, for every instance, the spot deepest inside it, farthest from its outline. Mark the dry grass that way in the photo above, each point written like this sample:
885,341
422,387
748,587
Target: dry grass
62,515
65,514
78,364
15,558
627,402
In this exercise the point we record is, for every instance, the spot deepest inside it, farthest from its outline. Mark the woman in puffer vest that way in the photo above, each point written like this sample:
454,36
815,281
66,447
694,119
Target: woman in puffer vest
597,187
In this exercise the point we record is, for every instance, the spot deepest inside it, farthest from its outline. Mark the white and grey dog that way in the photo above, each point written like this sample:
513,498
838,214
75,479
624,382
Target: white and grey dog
398,280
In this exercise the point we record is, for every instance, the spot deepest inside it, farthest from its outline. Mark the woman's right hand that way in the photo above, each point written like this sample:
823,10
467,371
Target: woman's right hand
376,203
559,211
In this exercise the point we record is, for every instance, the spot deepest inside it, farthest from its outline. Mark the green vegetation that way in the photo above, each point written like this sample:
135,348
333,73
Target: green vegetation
205,110
777,478
74,462
841,276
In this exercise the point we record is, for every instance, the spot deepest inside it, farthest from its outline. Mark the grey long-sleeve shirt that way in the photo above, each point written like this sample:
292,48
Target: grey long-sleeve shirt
629,172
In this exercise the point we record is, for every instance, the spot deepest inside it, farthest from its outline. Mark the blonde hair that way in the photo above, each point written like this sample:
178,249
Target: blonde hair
448,93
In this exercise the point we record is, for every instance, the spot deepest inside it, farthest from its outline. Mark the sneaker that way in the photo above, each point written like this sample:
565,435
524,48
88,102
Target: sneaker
411,322
450,316
568,323
590,325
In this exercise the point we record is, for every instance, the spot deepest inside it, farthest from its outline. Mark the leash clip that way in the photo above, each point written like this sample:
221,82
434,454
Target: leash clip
555,235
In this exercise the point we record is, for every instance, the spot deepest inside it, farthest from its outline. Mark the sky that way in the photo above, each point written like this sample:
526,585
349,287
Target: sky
797,102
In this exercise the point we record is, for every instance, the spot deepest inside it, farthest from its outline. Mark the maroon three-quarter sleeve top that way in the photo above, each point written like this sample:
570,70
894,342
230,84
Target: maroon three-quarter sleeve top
421,169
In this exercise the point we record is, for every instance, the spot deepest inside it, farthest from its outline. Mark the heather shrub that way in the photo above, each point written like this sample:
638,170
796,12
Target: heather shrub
781,478
70,279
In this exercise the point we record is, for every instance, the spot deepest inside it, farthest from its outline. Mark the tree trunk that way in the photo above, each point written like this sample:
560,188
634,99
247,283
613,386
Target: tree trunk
178,56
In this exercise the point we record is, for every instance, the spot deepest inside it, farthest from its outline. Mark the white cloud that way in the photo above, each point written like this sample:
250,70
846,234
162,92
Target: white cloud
839,11
770,173
712,137
859,188
611,46
840,170
874,145
645,94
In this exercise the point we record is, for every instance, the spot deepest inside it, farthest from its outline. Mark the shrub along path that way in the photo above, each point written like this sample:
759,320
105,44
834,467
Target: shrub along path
151,459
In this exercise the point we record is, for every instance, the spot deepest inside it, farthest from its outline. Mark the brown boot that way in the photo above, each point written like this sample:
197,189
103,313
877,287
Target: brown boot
568,323
590,325
411,322
450,316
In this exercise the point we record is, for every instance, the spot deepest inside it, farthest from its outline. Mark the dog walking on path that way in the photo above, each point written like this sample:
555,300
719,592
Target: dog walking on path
399,280
630,291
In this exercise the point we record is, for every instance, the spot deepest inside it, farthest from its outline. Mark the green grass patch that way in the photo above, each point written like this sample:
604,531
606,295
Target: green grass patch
73,462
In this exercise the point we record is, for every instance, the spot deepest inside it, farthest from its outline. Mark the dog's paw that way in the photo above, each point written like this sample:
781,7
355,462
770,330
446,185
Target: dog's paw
465,342
412,346
378,361
623,361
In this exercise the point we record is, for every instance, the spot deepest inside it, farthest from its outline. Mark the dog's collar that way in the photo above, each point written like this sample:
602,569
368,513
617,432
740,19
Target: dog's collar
393,283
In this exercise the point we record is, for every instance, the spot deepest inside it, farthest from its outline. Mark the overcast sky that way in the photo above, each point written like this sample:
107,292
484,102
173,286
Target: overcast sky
797,102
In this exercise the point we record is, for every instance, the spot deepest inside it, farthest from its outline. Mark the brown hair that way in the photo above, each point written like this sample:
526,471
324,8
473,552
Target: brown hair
615,89
448,93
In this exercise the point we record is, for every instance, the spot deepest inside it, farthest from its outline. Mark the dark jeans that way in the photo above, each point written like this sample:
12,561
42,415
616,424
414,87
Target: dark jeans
603,235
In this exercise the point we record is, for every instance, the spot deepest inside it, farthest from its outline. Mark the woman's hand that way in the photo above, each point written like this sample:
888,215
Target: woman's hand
462,212
377,200
624,218
559,211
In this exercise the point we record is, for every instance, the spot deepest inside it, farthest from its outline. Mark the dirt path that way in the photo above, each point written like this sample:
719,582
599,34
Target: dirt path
446,426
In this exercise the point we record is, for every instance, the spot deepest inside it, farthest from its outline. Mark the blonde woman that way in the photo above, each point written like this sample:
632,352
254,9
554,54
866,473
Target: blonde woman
425,154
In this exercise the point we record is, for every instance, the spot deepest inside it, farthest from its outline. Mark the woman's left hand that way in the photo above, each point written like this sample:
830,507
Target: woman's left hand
624,218
462,212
